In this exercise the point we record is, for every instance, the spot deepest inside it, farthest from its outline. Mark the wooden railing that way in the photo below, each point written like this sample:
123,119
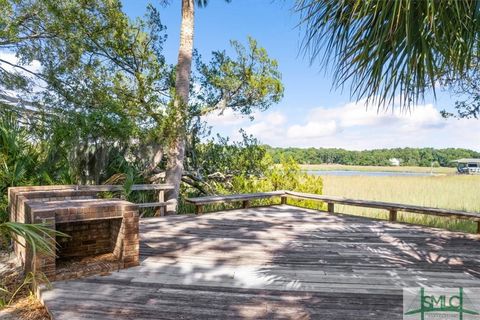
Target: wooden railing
392,208
161,205
245,198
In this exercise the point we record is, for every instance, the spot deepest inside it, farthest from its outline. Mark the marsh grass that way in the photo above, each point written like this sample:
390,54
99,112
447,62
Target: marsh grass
450,192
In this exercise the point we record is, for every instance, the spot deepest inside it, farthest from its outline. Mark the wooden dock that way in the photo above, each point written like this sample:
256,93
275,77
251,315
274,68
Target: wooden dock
277,262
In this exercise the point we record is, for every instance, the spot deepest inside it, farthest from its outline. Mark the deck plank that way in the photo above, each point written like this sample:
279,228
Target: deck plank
278,262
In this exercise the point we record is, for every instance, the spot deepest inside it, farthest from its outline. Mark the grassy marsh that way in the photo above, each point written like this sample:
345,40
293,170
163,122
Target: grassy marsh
450,191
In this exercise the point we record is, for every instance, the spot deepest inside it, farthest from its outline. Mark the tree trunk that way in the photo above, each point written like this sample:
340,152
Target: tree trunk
176,150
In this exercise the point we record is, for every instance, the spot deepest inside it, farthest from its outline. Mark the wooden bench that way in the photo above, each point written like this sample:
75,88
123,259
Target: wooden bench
244,197
393,208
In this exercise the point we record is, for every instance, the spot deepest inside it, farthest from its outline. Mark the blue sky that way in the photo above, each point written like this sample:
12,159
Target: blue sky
311,114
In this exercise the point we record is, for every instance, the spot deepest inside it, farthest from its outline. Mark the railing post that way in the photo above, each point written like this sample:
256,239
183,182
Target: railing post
478,227
331,207
392,215
161,198
245,204
283,200
198,209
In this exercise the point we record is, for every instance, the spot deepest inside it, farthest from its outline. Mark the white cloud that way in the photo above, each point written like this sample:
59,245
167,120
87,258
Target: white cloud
422,117
360,114
10,58
227,118
354,126
352,114
269,126
275,118
313,129
8,62
266,125
325,122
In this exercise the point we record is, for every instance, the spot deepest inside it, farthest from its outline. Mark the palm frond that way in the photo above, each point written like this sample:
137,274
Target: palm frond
385,50
38,236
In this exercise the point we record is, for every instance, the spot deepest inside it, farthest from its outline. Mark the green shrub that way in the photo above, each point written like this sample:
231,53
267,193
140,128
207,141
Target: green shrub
285,176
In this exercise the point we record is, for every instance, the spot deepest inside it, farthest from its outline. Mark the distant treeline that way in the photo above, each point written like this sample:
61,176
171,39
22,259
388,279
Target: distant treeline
423,157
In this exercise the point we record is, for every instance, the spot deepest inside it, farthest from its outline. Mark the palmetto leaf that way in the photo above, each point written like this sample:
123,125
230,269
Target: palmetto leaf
39,237
390,49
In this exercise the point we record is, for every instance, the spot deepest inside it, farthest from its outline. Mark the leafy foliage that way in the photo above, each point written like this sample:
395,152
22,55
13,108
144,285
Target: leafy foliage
467,87
221,156
283,176
101,101
248,81
102,82
99,108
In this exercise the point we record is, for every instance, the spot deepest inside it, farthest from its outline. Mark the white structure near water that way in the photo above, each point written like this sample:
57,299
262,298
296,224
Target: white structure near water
468,166
394,162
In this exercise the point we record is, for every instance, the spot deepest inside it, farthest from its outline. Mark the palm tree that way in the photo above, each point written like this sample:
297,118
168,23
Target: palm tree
390,49
176,150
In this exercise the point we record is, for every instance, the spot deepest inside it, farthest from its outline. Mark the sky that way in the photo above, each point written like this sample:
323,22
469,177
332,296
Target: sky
311,113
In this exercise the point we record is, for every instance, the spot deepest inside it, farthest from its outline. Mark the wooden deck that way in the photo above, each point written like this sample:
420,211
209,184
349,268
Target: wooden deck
278,262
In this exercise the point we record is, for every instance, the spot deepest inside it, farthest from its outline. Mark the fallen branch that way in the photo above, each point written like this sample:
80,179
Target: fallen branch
195,185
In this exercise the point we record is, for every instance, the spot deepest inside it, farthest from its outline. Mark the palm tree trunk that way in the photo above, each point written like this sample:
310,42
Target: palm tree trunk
176,150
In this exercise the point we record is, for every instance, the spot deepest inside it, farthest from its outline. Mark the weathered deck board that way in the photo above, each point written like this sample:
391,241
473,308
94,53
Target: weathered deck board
277,262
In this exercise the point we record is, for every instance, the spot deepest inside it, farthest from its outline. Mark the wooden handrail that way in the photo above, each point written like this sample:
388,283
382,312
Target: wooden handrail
119,187
244,197
386,205
161,205
392,207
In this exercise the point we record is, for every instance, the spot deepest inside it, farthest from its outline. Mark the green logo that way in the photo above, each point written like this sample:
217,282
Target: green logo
443,303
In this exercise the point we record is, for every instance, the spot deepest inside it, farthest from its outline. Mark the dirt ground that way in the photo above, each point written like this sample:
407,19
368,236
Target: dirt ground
24,305
25,308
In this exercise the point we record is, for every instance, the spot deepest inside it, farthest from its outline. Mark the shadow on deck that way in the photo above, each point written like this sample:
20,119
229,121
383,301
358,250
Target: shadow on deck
278,262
